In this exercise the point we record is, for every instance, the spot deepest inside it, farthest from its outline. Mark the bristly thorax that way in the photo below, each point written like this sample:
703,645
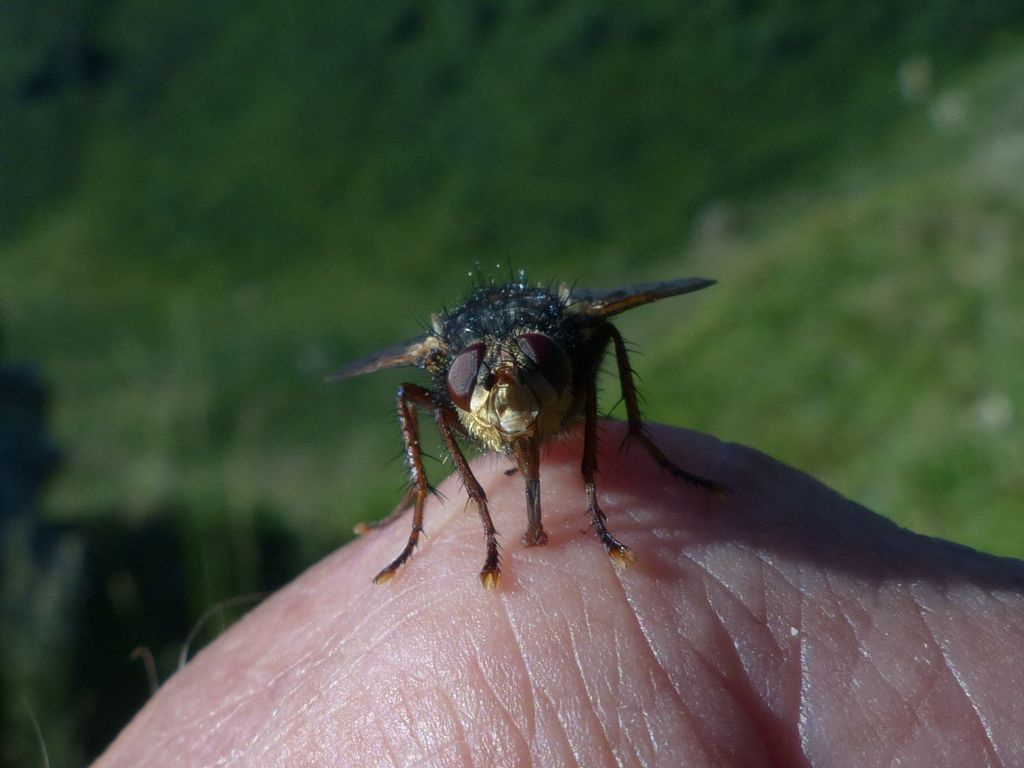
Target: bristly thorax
502,311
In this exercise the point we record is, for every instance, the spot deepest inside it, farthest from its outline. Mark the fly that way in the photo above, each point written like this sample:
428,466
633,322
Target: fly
512,368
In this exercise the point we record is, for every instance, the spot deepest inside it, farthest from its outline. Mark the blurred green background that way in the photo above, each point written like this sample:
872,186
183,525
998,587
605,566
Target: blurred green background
206,206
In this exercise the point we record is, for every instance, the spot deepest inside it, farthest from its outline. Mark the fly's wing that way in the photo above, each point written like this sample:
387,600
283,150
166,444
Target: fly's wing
412,353
607,303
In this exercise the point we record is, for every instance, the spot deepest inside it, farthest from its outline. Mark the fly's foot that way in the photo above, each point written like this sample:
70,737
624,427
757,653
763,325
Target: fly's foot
386,575
720,492
717,490
535,537
360,529
389,573
620,554
490,576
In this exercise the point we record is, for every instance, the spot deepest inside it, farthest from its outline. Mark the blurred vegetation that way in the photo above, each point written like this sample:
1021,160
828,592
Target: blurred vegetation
205,207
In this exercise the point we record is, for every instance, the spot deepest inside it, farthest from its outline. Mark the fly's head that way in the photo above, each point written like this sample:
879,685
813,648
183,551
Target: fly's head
510,387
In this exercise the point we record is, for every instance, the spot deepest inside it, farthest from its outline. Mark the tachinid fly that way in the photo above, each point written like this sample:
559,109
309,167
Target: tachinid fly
511,368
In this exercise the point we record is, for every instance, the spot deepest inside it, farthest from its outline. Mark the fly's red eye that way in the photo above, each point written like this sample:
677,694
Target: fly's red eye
549,358
463,372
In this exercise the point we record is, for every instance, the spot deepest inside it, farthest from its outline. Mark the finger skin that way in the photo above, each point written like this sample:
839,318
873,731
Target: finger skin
783,625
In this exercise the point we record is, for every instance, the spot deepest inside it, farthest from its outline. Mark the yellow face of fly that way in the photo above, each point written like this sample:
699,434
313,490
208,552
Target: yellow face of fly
520,403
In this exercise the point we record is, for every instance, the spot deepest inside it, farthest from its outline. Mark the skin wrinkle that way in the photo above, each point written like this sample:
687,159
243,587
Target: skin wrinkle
929,681
210,733
799,669
743,691
910,716
866,661
394,628
902,738
596,725
617,693
354,605
459,740
390,749
805,678
262,749
570,749
988,741
711,668
832,608
659,670
522,743
535,690
396,700
539,695
753,702
366,722
361,726
784,642
306,704
369,617
746,702
868,603
590,693
408,724
838,619
926,678
1003,597
620,676
652,743
649,727
373,647
737,600
389,744
201,718
630,754
762,591
863,655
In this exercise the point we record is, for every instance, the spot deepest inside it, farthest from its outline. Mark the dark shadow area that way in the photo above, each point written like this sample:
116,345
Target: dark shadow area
78,599
69,66
134,594
790,515
28,456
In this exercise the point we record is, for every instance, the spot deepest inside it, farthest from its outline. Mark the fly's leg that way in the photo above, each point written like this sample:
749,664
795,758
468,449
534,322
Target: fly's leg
527,455
619,552
490,574
637,430
410,395
407,501
408,498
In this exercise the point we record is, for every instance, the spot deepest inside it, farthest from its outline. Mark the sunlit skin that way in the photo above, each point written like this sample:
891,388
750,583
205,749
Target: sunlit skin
782,626
513,368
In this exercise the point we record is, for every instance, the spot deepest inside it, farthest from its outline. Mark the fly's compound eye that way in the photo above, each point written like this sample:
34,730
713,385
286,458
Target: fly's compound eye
463,372
548,358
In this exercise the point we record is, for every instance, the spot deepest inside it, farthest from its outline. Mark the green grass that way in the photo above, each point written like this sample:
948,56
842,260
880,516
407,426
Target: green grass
879,325
207,208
